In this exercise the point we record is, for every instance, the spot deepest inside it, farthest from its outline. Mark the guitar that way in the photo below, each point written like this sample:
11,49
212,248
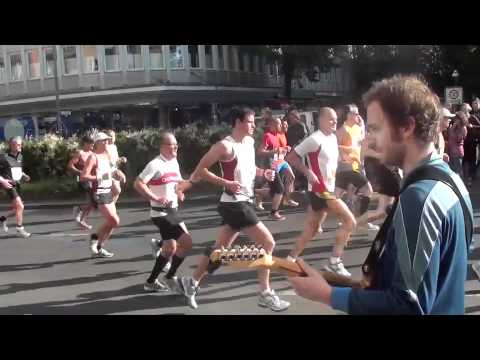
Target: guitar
253,257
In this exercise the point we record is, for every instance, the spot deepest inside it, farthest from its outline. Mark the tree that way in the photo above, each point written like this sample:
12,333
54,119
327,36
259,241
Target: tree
292,57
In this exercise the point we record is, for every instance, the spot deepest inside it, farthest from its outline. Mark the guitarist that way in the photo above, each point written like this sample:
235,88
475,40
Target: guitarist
419,257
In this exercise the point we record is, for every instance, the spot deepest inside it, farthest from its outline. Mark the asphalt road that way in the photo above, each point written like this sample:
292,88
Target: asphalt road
52,272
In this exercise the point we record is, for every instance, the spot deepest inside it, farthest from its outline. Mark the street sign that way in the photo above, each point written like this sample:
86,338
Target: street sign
454,95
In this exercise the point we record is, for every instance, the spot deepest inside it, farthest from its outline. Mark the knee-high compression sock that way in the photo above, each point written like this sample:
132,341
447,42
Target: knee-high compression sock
176,262
157,268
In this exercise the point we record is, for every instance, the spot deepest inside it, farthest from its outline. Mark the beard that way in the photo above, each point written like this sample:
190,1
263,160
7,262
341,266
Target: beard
395,155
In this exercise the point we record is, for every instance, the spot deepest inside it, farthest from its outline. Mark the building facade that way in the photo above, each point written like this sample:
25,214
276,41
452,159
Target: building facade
130,86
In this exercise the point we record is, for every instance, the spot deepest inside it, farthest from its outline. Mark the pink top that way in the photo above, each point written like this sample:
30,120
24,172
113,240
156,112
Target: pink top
456,136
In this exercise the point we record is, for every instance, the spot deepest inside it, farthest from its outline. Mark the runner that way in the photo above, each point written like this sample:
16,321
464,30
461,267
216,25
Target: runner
99,171
116,161
321,151
236,155
162,184
11,174
76,165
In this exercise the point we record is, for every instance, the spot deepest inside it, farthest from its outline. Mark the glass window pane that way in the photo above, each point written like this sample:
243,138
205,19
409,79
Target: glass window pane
2,69
49,62
241,61
90,59
156,56
176,57
112,58
134,57
208,57
193,55
16,69
221,61
70,60
33,58
231,62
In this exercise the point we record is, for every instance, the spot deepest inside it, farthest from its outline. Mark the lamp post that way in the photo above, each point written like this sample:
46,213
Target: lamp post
455,76
57,96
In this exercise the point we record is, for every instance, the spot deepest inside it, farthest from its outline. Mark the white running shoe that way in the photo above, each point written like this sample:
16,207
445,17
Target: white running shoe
103,253
370,226
337,268
271,300
21,231
77,214
4,226
93,247
157,286
187,287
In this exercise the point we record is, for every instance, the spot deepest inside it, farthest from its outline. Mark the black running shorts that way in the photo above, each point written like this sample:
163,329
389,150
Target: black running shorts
14,192
345,178
319,201
238,215
169,225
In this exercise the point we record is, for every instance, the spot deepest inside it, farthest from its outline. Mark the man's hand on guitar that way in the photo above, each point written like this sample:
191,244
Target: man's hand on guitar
313,286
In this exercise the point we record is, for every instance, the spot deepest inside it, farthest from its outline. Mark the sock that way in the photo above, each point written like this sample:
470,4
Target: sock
335,260
99,247
3,218
176,262
157,268
19,226
94,237
266,291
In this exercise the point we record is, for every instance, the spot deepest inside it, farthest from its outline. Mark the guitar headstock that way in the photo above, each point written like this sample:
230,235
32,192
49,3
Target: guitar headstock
244,257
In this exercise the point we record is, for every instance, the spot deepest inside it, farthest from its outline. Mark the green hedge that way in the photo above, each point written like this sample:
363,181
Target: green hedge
47,158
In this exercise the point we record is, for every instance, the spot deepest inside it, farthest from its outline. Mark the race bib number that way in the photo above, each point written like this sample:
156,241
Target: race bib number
17,173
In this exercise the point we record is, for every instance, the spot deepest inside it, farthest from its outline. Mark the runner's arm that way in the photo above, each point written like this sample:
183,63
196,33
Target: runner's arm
217,152
74,161
86,174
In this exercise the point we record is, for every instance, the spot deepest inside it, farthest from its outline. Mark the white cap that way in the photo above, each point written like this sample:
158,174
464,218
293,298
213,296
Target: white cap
101,136
447,113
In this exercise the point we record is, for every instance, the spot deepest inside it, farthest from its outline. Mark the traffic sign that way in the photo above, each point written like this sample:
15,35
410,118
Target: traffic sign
454,95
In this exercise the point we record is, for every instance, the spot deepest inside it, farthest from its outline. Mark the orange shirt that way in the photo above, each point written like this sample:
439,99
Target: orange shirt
282,139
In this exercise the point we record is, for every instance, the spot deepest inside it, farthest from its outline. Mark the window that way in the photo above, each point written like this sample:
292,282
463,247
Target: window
156,56
134,57
208,57
49,61
250,60
70,60
16,68
241,61
33,58
256,64
231,55
90,59
193,55
176,57
221,61
2,69
112,58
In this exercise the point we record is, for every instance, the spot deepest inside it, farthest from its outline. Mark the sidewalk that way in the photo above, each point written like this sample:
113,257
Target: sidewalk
131,200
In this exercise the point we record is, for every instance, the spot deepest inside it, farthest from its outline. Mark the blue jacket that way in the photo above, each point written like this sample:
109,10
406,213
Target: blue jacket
424,265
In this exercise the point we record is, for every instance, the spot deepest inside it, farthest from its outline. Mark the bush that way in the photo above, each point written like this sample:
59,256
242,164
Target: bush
47,158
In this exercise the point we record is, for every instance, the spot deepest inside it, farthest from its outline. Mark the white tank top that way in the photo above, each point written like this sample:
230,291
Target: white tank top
241,168
103,172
